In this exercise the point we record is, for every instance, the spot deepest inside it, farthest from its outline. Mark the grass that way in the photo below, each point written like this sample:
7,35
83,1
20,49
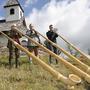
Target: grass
31,77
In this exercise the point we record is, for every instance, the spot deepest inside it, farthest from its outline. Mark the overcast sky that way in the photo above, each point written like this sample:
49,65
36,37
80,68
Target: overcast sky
71,17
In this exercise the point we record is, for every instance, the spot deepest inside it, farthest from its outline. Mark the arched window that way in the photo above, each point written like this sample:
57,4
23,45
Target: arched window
12,11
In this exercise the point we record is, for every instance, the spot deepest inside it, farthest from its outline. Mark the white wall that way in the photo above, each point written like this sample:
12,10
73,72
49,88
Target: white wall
16,16
20,11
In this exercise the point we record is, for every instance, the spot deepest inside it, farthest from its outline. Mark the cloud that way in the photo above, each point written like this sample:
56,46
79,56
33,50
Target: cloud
28,2
72,20
1,17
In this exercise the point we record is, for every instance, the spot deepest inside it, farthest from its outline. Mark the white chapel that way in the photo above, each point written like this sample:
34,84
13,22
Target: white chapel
14,14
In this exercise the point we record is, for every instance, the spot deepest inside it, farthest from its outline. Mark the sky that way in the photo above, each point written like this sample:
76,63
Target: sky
70,17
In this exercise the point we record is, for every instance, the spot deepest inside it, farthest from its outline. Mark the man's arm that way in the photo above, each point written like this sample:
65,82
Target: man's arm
19,35
37,37
48,34
54,36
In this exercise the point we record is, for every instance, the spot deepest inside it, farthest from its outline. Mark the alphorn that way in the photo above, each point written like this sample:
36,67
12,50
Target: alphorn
83,66
72,80
76,70
73,46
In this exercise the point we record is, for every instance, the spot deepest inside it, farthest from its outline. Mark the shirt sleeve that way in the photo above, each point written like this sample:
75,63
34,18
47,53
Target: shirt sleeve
28,32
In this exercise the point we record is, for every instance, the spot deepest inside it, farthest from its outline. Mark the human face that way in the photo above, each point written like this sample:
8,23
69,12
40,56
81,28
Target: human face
51,27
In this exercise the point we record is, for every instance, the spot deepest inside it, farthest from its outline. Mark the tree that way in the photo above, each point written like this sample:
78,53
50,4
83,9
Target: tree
72,51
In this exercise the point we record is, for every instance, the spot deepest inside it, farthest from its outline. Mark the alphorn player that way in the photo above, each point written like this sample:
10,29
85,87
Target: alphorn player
31,46
52,36
12,48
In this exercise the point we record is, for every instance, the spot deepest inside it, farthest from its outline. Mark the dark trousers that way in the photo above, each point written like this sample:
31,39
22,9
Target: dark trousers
53,49
11,54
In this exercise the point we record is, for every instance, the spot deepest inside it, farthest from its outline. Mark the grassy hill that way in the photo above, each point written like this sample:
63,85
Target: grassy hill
31,77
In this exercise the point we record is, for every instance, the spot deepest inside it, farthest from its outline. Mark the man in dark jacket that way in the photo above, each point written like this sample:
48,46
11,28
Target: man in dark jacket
15,36
52,36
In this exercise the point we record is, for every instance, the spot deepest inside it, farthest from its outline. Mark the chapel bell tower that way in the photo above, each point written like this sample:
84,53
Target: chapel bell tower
13,10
